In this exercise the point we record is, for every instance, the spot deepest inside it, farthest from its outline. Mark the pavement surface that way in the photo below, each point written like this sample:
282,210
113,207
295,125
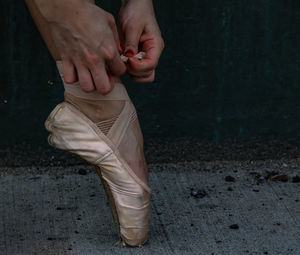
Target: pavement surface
163,150
217,207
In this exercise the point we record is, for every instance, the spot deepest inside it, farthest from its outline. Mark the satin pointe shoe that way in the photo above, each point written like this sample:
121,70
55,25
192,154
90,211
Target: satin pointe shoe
114,146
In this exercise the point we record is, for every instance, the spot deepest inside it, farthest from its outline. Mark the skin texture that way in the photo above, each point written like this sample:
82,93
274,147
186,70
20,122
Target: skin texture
138,30
86,39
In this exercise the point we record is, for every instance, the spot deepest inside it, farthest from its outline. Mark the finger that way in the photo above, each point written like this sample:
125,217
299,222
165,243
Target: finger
114,30
139,73
85,78
146,79
153,49
114,63
101,79
69,73
132,38
111,80
121,38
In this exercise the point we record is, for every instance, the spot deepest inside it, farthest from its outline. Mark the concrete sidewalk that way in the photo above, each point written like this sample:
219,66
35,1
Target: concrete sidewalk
194,211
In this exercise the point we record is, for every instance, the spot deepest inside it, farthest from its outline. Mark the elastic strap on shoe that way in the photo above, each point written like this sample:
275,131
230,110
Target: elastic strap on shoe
118,93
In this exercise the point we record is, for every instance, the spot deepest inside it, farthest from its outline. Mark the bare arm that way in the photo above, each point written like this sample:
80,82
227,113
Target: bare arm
87,40
138,28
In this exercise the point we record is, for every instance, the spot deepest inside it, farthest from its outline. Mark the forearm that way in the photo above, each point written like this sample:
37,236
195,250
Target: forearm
55,10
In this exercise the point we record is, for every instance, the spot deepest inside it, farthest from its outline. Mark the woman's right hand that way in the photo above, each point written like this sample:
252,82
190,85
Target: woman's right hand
87,40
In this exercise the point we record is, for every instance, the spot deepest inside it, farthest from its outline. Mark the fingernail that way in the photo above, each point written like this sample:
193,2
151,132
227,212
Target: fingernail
122,46
129,53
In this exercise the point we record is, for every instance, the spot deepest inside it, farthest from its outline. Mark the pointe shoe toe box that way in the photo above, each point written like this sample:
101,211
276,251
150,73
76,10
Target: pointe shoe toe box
134,236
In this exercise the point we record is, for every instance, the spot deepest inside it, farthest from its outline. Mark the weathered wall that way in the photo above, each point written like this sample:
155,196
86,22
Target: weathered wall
230,68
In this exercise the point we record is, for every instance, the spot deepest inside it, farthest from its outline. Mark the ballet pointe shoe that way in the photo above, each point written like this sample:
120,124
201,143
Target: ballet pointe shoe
115,148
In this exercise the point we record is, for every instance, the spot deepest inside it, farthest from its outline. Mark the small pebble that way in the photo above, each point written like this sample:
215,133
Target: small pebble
234,226
296,179
82,171
280,178
198,193
229,178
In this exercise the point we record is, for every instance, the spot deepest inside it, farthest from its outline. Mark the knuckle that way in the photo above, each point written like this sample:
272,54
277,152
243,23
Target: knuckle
92,60
64,57
128,26
109,52
131,27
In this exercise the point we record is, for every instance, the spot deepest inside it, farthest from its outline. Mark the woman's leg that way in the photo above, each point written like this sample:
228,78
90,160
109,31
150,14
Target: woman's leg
98,111
109,113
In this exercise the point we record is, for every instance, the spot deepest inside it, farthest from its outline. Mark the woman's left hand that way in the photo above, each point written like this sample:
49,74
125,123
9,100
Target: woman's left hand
139,31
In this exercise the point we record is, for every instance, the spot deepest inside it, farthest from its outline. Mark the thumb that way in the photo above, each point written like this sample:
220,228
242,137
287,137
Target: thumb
132,39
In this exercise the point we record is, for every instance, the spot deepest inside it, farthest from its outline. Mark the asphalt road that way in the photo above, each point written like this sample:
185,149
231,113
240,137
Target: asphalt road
218,207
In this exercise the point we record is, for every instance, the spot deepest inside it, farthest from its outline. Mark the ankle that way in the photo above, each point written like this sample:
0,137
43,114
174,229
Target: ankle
96,110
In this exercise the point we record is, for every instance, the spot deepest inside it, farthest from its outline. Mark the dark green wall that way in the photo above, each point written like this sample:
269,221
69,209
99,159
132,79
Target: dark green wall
230,69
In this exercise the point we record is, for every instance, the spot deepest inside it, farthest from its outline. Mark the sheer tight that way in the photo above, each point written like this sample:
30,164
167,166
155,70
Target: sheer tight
109,113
